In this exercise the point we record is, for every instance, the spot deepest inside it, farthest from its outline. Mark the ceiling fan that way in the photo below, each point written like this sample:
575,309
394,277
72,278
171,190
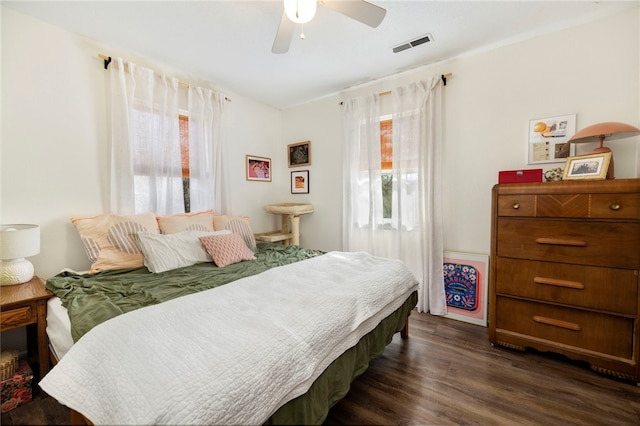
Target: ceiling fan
301,11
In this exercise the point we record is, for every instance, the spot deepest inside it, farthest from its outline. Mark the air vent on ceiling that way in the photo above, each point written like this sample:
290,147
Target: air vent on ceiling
413,43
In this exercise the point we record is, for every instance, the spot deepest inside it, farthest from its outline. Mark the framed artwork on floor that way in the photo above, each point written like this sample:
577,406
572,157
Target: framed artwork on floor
465,284
258,168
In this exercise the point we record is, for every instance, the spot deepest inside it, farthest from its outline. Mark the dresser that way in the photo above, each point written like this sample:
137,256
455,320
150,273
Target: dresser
564,269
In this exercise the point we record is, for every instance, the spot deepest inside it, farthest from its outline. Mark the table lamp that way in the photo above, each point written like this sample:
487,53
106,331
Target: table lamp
599,132
17,241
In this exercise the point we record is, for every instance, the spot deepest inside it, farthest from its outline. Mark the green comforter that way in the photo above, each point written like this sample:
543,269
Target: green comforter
93,299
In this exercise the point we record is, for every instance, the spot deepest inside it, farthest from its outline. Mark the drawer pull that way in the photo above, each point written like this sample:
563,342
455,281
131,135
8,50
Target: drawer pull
557,323
561,242
516,206
559,283
615,206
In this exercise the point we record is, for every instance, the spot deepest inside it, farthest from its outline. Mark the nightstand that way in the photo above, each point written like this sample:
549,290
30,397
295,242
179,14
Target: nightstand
25,305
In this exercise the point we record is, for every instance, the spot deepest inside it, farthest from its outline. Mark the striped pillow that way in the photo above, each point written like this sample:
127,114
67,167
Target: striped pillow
110,240
239,225
227,249
198,221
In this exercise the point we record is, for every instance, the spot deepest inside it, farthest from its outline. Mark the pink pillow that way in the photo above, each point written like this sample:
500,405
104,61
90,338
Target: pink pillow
227,249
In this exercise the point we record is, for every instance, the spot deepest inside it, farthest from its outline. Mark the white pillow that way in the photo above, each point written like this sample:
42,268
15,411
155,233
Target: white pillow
163,252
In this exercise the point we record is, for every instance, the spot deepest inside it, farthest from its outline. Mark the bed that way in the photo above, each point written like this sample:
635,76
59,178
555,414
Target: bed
272,340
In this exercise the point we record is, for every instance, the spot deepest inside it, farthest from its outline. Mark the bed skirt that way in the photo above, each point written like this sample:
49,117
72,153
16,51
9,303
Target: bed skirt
334,383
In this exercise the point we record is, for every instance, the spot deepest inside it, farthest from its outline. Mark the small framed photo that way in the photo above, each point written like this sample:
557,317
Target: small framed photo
549,139
300,182
299,154
465,283
258,168
592,166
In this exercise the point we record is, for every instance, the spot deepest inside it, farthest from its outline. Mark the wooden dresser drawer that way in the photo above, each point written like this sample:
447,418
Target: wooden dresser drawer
604,289
18,317
609,244
517,205
615,206
601,333
578,206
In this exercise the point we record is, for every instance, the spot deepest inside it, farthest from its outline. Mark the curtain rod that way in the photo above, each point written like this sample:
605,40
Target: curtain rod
444,78
107,61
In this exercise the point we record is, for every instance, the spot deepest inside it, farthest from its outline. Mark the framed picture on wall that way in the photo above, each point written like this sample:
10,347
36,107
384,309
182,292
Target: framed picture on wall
300,182
549,139
299,154
465,284
258,168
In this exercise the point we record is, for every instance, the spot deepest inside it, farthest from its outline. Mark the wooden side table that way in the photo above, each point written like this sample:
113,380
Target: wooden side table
25,305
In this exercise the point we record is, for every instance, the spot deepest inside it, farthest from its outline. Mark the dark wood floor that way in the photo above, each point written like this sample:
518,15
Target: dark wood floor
448,373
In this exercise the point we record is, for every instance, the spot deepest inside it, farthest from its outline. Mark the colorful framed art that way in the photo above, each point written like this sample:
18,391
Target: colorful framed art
300,182
466,284
549,139
258,168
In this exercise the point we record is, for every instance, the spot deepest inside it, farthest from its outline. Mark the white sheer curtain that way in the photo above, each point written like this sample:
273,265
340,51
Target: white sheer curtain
146,164
413,232
146,173
209,188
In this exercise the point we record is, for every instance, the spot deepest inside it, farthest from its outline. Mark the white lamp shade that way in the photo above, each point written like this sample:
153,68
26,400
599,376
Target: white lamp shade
19,240
300,11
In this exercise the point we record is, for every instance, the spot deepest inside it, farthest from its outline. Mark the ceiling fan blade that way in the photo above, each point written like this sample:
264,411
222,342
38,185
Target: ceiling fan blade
284,35
360,10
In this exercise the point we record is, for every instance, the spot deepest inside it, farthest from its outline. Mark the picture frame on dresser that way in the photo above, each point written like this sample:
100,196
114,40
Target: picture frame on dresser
466,286
592,166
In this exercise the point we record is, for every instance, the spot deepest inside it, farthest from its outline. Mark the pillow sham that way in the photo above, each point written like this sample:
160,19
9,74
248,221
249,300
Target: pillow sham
198,221
165,252
227,249
110,240
238,224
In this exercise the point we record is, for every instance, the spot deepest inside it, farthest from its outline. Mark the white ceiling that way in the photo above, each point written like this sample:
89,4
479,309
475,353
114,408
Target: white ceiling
229,42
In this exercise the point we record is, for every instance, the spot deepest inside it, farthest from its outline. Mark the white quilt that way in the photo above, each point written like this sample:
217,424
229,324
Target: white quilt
233,354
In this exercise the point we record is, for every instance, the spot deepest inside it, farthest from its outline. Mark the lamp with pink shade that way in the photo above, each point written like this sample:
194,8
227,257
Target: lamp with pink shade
599,132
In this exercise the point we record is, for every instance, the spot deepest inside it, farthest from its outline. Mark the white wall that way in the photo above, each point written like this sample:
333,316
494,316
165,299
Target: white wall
54,152
591,70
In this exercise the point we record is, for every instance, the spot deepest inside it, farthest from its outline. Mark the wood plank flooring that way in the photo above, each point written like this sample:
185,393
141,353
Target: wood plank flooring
447,373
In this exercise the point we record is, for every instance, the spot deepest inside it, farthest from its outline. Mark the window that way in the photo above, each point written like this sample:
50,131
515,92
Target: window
151,170
184,157
386,160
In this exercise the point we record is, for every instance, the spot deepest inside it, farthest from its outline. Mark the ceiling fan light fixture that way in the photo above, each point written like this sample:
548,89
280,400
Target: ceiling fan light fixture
300,11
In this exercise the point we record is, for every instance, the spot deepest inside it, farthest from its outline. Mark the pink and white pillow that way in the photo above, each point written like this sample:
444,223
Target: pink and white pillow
227,249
